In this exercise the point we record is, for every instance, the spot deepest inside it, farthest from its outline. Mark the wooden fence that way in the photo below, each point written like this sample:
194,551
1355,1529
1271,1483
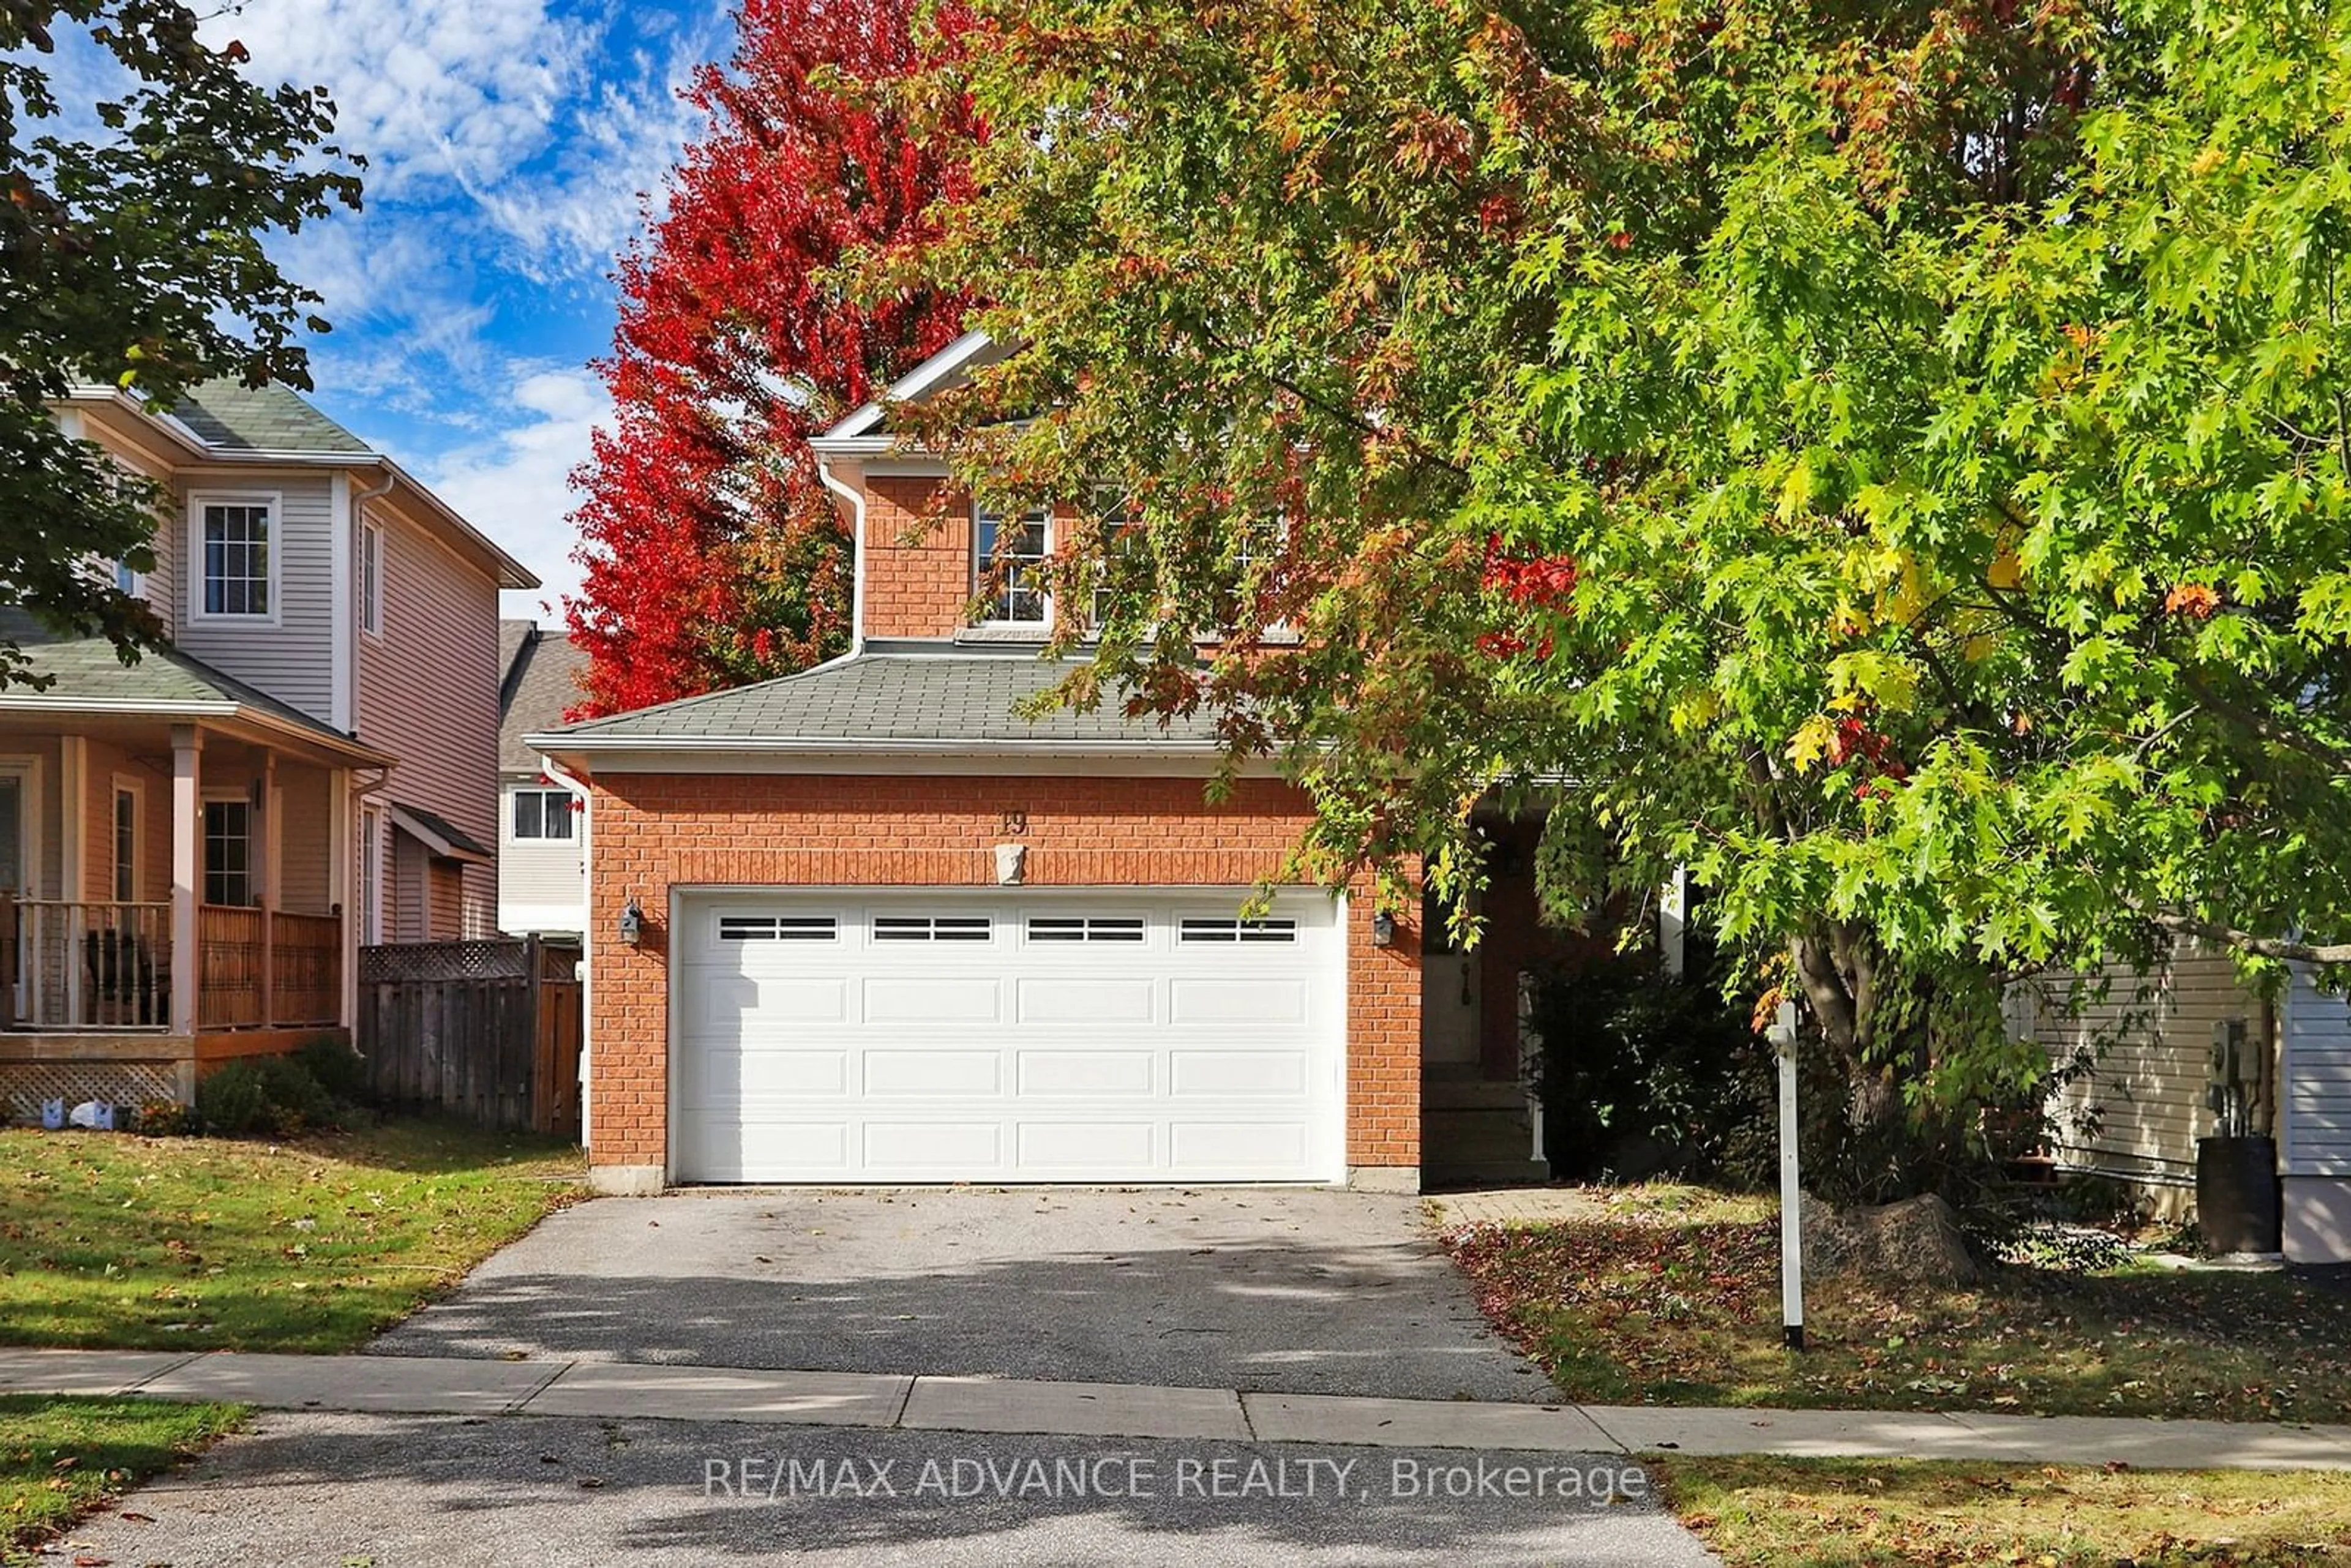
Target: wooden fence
489,1030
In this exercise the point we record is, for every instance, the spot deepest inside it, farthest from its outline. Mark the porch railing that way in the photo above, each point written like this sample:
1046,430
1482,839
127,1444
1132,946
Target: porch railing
263,969
72,963
228,965
307,977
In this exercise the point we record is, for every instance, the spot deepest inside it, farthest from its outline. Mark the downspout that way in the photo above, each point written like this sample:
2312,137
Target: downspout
856,500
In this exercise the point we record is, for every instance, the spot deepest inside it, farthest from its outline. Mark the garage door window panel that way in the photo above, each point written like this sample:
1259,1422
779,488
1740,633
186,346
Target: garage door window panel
934,928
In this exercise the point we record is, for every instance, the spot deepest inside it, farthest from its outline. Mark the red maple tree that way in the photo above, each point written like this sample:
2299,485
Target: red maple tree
714,554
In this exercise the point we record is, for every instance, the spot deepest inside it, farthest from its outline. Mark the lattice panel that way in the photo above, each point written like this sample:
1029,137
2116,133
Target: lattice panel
25,1084
487,960
499,958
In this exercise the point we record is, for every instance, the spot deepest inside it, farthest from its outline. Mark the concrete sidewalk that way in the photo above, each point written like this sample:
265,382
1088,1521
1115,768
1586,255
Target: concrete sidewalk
468,1386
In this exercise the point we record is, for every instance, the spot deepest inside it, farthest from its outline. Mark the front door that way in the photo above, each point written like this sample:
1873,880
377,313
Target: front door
1450,1006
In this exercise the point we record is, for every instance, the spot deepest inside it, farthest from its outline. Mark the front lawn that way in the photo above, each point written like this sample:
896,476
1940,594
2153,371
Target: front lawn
219,1244
1671,1296
61,1458
1844,1513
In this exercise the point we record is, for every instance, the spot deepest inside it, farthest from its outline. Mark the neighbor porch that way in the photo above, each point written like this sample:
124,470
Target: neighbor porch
172,895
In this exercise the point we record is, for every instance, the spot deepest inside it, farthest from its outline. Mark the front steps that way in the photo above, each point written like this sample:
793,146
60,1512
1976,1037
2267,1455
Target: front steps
1475,1132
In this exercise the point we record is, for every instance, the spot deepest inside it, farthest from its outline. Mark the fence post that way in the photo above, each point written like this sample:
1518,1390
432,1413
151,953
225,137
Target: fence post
533,1088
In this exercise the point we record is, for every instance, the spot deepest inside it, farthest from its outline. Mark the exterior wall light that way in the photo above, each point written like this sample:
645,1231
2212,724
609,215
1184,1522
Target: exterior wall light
1382,929
633,923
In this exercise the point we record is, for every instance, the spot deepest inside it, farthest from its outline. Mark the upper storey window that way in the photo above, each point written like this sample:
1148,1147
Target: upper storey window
235,547
1008,568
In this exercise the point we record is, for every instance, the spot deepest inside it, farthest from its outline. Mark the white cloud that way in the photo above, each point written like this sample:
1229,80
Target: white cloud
508,142
547,124
513,486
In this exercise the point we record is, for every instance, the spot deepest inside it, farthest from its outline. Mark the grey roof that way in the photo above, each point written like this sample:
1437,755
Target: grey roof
512,635
447,831
542,684
87,669
273,418
958,695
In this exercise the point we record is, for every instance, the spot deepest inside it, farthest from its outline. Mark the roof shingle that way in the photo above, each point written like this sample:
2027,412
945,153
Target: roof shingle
88,669
960,695
542,685
235,417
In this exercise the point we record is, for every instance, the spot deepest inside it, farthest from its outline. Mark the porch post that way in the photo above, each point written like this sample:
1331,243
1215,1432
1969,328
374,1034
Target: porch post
269,889
342,857
187,843
72,803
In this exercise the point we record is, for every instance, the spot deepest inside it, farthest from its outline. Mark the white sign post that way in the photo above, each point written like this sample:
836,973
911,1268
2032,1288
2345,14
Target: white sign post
1792,1231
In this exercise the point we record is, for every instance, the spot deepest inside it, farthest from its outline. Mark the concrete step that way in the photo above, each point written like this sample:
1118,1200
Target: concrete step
1484,1173
1440,1128
1471,1095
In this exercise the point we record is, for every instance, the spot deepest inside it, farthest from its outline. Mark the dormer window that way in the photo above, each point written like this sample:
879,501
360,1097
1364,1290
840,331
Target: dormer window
1008,568
233,540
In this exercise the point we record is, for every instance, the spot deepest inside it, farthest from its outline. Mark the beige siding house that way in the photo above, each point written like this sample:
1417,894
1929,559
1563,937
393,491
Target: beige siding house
543,822
193,846
2145,1100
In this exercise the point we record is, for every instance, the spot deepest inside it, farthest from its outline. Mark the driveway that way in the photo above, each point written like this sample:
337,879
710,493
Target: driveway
451,1492
1297,1291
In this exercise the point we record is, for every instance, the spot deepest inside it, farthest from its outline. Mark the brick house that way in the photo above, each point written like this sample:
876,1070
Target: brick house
886,929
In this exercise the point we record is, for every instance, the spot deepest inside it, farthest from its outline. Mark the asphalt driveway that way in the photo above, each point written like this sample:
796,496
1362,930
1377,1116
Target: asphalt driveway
1298,1290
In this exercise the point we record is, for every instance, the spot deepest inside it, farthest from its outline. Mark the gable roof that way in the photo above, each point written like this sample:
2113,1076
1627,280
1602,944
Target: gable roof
542,685
942,372
275,426
230,416
87,675
891,698
439,834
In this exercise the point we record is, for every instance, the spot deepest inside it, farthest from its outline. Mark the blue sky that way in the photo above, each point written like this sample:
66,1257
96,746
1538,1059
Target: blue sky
508,143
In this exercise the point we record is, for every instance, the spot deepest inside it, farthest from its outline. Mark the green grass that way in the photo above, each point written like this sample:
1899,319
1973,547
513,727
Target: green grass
1843,1513
1673,1298
61,1458
219,1244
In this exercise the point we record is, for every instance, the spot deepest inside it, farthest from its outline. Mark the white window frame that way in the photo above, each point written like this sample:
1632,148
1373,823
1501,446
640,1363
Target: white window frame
1115,509
570,800
254,889
197,575
125,784
983,567
371,579
25,769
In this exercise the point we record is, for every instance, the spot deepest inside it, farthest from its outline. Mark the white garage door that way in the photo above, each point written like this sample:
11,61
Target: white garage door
1027,1036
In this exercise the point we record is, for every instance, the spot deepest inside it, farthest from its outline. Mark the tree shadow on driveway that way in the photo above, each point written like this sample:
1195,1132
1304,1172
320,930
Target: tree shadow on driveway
1284,1292
441,1491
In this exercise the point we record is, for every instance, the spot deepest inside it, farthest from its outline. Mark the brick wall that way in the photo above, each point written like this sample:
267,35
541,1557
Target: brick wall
918,589
656,831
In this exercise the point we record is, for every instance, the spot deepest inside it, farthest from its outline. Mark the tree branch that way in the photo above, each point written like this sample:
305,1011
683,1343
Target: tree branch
2283,948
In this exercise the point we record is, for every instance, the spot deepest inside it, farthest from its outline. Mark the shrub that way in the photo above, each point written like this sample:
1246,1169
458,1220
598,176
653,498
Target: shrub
335,1068
273,1095
164,1119
1641,1071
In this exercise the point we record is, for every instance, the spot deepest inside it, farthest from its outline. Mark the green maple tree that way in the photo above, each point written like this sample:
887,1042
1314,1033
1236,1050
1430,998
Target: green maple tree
1890,460
131,255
